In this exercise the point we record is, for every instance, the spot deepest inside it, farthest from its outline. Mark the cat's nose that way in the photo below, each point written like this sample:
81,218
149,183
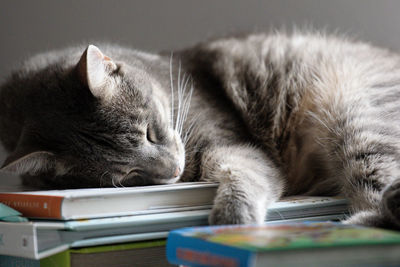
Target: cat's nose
177,172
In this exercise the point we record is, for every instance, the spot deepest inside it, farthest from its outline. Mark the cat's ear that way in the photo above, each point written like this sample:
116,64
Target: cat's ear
21,162
94,69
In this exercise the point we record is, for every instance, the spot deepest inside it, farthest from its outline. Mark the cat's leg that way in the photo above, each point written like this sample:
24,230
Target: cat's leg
382,209
391,205
248,183
364,149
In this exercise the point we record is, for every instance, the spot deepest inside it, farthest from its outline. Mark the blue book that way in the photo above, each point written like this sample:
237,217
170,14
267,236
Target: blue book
284,244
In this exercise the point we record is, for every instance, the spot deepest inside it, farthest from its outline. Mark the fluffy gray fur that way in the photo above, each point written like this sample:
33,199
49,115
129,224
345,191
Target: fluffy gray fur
270,115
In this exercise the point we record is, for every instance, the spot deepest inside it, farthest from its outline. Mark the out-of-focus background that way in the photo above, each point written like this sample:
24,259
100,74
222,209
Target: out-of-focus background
28,27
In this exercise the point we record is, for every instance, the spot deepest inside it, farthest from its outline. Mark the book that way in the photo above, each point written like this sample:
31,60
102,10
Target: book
107,202
41,238
307,206
144,253
284,244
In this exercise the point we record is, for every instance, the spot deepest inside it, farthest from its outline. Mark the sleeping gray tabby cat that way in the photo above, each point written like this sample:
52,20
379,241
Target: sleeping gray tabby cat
264,115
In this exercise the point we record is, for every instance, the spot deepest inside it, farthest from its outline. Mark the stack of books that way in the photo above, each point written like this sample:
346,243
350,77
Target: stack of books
88,227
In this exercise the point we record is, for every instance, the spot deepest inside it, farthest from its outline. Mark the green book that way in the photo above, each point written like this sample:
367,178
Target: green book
284,244
148,253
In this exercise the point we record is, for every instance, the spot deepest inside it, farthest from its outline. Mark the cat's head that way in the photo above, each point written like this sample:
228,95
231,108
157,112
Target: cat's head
99,122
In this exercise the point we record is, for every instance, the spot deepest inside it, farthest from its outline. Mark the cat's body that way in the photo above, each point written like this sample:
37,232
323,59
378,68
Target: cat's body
270,115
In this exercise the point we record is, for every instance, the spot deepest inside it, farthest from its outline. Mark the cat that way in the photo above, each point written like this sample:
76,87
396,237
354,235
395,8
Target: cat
264,115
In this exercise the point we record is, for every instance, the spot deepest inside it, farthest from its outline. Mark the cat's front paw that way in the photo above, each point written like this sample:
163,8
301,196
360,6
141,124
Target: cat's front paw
367,218
235,211
386,216
391,203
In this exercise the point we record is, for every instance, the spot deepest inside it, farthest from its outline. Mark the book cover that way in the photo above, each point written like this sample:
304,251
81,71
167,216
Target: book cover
40,239
107,202
283,244
144,253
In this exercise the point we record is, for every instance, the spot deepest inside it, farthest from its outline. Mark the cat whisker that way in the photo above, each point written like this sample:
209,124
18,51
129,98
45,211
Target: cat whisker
172,90
186,108
183,98
102,178
133,173
113,182
189,131
180,96
185,81
182,108
184,101
120,183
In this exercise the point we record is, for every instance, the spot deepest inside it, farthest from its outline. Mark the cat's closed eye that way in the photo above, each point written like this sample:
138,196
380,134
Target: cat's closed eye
151,135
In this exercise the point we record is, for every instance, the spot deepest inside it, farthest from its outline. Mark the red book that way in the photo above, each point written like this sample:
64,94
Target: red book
32,205
107,202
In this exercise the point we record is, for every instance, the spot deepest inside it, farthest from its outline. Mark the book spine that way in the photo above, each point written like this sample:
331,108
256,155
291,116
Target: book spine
18,239
187,250
39,206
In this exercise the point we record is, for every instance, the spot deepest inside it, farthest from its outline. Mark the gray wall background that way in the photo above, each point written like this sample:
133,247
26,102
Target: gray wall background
28,27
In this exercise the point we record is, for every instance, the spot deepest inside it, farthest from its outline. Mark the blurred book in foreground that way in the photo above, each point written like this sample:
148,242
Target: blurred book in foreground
284,244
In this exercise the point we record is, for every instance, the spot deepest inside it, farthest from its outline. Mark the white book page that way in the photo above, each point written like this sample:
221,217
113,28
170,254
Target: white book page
92,192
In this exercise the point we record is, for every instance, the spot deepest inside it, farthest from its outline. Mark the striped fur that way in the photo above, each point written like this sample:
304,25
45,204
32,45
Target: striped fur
324,110
270,115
